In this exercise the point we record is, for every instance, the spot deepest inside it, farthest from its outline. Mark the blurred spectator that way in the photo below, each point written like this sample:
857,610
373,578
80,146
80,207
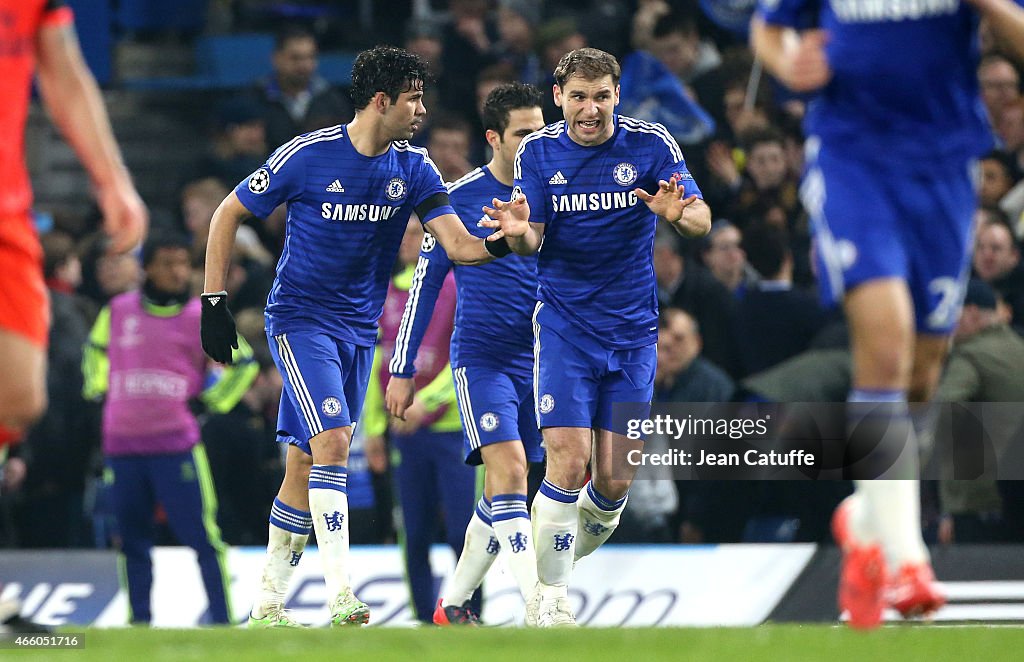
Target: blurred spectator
676,41
239,145
144,360
295,99
1008,124
724,256
999,81
774,321
997,262
683,375
58,448
517,26
448,147
199,199
684,283
468,39
489,78
999,174
105,275
766,183
984,366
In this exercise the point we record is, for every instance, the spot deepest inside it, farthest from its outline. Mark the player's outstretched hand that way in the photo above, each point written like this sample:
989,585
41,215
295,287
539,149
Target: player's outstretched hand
125,216
805,67
217,327
399,395
511,219
668,202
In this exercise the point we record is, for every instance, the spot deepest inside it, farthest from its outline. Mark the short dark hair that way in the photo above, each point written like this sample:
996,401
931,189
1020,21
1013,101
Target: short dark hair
290,32
589,64
162,239
385,69
672,23
504,99
767,247
758,136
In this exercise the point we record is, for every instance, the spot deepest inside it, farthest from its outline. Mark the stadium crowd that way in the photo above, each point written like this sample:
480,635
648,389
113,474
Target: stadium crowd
740,315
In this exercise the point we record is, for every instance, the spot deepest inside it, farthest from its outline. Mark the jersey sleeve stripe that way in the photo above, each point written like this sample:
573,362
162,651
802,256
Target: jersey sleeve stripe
400,362
550,131
470,176
404,146
640,126
281,156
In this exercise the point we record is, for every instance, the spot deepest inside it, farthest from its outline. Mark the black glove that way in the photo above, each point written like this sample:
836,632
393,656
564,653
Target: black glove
217,327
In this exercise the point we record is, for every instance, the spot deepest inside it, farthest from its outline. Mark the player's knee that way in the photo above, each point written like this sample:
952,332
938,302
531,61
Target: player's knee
330,446
568,473
509,477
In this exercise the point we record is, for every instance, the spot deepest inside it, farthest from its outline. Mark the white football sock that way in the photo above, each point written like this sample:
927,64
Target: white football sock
511,523
554,535
598,519
328,503
289,531
478,553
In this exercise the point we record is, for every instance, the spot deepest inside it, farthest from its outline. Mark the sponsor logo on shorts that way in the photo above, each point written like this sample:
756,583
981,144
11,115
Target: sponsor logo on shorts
489,422
331,406
547,403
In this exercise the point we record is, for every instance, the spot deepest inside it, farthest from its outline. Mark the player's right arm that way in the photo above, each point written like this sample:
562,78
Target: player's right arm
797,60
217,326
74,102
431,270
221,242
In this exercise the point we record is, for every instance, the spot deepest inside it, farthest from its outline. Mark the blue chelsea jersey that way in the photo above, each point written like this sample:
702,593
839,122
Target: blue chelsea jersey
904,77
346,217
595,266
493,325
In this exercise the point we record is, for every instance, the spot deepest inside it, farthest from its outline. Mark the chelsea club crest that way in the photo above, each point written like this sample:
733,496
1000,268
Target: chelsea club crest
395,189
624,174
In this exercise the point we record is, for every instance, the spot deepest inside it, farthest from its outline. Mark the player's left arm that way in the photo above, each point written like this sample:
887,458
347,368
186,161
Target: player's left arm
1006,20
73,100
462,247
677,200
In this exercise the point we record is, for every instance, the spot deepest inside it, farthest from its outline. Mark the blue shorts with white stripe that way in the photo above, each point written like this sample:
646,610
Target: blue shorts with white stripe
496,406
325,381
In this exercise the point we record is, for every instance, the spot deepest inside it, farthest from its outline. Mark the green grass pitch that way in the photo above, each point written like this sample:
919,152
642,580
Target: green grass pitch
820,643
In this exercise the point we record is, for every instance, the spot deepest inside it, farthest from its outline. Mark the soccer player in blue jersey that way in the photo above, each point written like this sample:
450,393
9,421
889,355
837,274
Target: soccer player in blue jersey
350,191
893,132
492,360
596,322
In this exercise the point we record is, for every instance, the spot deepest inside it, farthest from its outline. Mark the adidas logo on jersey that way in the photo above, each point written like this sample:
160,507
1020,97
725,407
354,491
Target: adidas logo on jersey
558,178
335,187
